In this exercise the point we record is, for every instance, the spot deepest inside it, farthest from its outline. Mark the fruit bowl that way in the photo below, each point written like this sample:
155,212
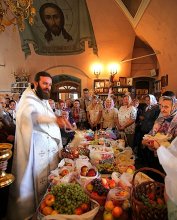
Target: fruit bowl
97,190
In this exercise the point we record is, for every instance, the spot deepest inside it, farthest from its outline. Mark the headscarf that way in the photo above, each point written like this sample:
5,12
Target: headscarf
112,103
172,118
153,101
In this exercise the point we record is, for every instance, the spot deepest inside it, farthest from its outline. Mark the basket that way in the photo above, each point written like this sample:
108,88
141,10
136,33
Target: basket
146,209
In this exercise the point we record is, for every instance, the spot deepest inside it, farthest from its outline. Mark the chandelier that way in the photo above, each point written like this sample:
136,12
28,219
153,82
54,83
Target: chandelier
20,10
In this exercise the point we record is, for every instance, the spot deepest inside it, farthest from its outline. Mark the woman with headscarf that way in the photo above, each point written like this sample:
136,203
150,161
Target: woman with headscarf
126,119
166,124
150,114
147,119
109,114
94,112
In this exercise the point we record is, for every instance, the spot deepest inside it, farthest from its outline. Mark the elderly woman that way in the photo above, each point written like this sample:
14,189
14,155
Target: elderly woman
94,113
126,119
166,124
109,114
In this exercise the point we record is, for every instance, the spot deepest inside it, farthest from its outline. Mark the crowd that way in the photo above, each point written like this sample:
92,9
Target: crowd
38,118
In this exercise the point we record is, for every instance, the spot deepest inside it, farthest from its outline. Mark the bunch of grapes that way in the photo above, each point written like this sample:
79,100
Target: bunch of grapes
99,188
68,197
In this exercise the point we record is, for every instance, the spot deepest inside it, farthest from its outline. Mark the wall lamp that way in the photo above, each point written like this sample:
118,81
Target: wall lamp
113,69
97,69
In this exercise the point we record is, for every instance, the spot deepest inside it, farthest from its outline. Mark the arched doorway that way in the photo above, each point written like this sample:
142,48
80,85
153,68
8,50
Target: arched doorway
66,86
143,86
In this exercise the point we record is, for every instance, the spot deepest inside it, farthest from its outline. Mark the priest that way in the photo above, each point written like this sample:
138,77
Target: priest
37,148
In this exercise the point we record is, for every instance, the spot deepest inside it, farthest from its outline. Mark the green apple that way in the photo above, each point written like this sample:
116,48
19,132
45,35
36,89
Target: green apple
107,215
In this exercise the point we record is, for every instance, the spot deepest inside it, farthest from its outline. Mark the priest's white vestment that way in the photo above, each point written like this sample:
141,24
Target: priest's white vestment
36,153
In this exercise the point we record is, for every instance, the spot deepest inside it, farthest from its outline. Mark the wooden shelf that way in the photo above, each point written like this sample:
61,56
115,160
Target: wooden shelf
101,88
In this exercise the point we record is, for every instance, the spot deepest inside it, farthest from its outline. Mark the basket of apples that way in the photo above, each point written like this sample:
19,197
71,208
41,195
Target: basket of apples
67,201
86,171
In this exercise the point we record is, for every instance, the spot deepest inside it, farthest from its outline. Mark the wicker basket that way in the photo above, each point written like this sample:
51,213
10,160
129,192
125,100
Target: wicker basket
147,211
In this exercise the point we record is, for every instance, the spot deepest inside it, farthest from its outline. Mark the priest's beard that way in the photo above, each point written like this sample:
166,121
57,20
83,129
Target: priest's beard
55,30
42,93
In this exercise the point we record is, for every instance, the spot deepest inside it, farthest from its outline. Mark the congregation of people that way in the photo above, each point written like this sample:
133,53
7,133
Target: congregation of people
132,119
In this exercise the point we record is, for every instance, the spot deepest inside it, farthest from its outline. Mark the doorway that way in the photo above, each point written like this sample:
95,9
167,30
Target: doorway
143,86
65,86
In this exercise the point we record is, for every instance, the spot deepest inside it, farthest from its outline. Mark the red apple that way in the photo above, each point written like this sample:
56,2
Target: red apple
112,184
91,172
78,211
85,207
47,210
64,172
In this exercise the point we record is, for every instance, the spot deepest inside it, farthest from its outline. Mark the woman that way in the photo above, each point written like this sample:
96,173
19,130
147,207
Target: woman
126,119
166,124
94,113
109,115
150,114
147,119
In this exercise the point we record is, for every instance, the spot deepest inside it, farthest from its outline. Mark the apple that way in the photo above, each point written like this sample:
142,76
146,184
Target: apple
91,172
83,173
132,167
130,171
109,205
49,199
42,205
107,215
84,169
105,183
117,211
78,211
112,184
89,187
68,164
54,212
47,210
85,207
64,172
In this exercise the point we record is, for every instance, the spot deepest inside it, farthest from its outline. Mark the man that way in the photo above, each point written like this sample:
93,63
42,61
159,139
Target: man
85,101
53,19
37,148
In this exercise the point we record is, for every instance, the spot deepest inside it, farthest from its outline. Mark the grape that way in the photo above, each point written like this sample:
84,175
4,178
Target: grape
69,196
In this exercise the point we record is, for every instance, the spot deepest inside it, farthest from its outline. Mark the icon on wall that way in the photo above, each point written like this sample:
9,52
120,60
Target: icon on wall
129,81
164,81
